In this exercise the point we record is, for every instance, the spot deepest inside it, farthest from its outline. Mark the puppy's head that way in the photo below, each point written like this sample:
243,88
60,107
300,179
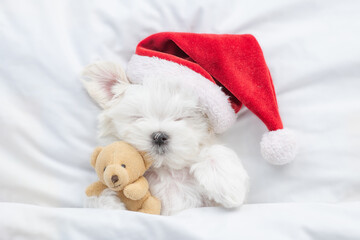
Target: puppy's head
161,118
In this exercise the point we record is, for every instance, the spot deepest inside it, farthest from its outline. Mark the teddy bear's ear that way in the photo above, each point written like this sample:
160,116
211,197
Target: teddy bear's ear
95,155
147,159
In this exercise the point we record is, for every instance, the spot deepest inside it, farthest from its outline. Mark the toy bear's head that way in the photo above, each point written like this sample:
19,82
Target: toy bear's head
119,164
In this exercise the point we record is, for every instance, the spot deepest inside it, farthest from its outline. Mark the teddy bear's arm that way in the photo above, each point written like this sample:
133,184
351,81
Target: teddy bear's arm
137,189
95,189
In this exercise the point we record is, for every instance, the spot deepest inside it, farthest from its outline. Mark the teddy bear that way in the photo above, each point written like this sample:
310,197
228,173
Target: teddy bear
120,167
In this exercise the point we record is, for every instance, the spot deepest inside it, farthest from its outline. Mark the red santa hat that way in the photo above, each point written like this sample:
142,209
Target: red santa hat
226,72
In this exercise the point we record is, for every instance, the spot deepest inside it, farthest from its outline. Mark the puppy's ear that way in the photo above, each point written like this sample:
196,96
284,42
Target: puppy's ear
104,81
94,156
147,160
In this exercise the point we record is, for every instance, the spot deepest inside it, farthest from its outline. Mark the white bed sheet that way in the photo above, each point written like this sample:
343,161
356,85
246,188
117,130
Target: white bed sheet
48,123
253,221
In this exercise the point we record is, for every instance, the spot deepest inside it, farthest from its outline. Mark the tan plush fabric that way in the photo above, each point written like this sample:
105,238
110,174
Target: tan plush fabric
120,167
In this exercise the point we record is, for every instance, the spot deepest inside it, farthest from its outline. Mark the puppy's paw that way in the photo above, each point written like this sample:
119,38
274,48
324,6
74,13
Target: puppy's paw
222,176
108,199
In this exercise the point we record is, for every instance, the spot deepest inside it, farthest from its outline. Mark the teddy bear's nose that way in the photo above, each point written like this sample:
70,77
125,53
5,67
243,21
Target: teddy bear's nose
114,178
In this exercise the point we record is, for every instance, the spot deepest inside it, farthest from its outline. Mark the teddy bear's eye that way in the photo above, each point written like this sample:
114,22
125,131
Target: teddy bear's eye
104,168
123,165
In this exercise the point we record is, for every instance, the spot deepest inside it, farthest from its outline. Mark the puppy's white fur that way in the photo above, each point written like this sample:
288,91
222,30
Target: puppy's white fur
191,170
108,199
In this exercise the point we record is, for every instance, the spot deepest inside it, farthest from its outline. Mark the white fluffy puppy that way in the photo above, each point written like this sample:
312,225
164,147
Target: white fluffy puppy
165,120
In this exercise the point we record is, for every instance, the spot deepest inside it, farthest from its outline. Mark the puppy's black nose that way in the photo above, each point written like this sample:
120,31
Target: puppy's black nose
114,178
159,138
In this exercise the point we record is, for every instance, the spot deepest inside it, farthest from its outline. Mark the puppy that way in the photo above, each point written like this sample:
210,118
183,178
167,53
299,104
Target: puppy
165,120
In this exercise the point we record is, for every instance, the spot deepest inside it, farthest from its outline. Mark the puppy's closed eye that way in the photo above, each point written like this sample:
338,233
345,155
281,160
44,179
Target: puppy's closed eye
182,118
136,117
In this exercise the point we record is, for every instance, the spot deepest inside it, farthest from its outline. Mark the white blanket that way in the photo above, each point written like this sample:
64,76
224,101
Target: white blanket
253,221
48,123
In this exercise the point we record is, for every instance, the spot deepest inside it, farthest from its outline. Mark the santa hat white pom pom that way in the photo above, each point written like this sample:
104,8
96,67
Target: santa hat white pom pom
279,147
